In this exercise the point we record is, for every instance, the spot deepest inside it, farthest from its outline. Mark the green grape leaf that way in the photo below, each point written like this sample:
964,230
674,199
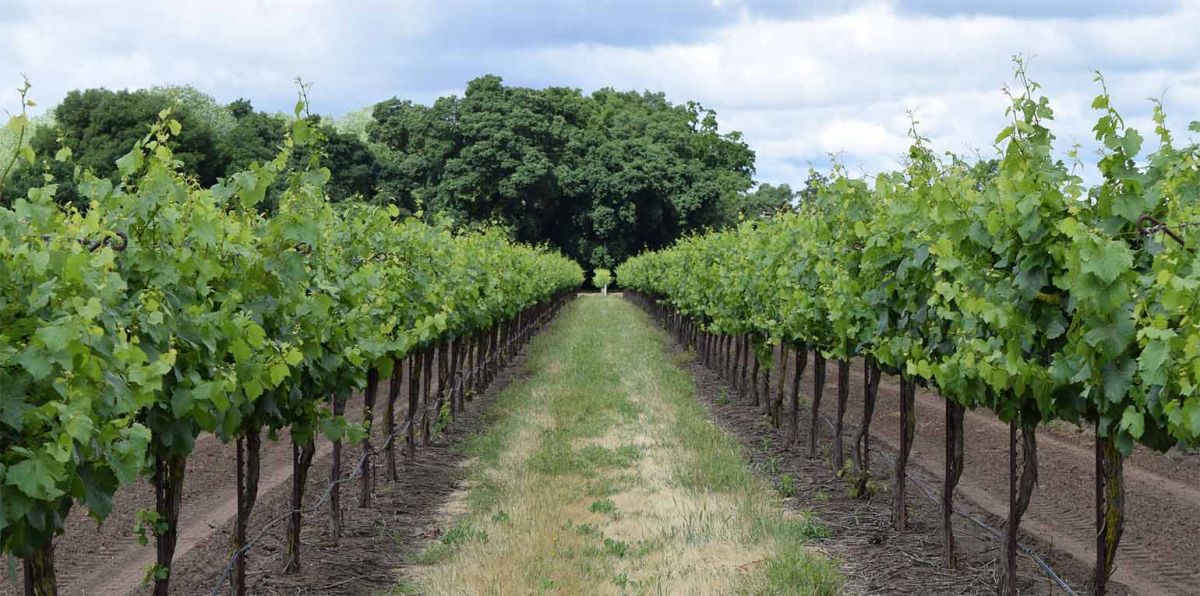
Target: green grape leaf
278,372
130,162
57,337
36,362
37,477
1133,422
1151,363
1109,261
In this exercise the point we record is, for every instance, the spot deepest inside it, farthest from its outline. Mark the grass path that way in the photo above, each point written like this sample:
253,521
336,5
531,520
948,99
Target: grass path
599,473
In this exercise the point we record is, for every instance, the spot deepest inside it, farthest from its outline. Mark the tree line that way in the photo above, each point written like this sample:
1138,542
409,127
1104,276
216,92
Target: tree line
600,176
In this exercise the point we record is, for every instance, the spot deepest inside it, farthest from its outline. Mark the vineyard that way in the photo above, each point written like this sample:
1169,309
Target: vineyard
167,312
161,335
1018,290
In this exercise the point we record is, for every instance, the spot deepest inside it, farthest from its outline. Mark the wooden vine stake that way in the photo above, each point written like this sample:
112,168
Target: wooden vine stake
908,422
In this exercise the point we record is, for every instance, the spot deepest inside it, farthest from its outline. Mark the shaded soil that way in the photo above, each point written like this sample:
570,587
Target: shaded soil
374,541
1158,553
108,559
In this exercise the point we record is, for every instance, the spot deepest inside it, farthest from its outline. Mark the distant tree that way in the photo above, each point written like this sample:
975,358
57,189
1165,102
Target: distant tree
99,126
201,105
766,200
812,185
415,143
600,176
254,137
354,168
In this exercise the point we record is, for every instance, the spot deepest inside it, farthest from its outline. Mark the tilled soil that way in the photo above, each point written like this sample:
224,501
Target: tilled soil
108,559
1158,553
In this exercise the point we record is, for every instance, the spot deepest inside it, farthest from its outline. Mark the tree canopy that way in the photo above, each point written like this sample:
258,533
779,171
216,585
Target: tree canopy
600,176
93,128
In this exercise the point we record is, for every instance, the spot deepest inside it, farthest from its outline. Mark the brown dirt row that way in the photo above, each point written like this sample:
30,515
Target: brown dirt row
1161,543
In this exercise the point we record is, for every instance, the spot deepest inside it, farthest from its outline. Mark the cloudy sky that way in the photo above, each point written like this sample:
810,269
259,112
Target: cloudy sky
802,79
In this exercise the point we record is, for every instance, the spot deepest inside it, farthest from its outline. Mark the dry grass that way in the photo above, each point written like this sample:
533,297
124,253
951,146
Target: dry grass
600,475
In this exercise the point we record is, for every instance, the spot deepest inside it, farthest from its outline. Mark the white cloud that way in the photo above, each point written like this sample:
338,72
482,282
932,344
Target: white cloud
835,81
858,137
803,88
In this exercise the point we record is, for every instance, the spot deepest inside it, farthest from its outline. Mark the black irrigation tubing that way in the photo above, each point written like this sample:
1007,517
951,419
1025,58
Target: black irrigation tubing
357,469
1054,576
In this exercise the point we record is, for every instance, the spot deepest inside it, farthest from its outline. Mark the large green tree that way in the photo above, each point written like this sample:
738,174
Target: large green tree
254,137
98,126
767,200
600,176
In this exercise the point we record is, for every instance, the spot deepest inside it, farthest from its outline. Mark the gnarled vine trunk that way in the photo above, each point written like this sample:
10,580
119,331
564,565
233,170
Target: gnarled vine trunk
302,457
335,476
862,437
754,387
1020,491
426,392
414,398
39,571
818,391
801,364
389,423
738,363
1110,507
843,396
169,471
766,396
780,384
953,471
364,470
725,356
249,456
453,375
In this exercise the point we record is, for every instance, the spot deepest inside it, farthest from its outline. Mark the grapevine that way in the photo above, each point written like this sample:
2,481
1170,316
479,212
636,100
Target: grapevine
169,310
1015,288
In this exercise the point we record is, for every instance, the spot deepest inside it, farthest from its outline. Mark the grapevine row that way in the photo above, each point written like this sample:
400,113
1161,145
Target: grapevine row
1016,288
167,310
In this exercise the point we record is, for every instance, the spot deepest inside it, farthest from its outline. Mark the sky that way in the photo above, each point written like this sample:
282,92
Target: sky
805,81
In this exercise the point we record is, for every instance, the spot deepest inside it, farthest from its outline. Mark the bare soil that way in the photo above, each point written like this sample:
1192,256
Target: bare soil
1158,554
